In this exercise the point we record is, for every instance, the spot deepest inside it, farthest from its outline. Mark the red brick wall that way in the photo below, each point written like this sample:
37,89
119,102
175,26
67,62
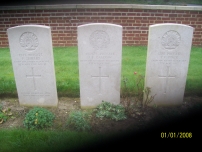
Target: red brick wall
64,22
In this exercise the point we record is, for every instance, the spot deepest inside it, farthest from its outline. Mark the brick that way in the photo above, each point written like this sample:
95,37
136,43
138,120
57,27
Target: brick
46,11
88,20
145,21
32,22
152,18
137,32
199,18
102,13
18,15
179,19
138,18
61,28
172,15
116,14
125,24
145,14
45,15
80,10
67,38
109,10
130,34
187,15
109,18
166,11
195,12
67,18
165,18
158,22
116,21
60,21
137,10
84,17
159,14
124,10
186,22
6,15
64,10
136,38
145,35
74,21
192,19
180,11
131,41
123,17
19,22
197,36
10,11
135,22
59,14
88,14
132,14
32,11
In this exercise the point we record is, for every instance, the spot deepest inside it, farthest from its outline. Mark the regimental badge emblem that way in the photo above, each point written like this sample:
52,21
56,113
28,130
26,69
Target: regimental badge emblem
171,40
29,41
99,39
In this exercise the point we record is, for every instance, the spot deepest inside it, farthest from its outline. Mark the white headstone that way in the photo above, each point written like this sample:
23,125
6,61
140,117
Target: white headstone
100,56
168,54
33,64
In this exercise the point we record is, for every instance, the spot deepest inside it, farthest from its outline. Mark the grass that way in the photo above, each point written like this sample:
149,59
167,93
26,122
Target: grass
21,140
67,75
67,72
194,79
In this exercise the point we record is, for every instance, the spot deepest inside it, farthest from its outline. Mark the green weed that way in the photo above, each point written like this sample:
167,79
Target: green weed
111,111
79,121
38,118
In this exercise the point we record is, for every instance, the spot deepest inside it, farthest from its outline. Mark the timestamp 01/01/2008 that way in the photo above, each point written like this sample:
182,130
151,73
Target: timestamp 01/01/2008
176,134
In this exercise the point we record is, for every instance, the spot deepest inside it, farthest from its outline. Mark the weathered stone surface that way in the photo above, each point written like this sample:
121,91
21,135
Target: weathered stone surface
168,54
100,56
33,64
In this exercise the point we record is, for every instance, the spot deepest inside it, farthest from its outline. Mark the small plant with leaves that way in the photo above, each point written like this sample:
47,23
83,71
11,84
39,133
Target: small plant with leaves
5,113
109,110
79,120
38,118
135,106
148,98
3,117
134,98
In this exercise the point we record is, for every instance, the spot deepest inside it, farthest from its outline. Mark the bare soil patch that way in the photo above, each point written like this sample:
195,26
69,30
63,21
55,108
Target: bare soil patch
165,119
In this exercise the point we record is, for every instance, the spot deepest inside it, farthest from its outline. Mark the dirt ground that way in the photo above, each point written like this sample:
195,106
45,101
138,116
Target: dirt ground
140,119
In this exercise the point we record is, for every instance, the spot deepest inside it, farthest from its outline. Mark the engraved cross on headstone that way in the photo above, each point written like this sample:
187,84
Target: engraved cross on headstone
100,76
167,76
33,76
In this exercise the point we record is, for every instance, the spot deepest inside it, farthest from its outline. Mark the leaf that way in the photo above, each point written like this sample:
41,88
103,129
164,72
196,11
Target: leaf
12,117
4,110
9,114
1,121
